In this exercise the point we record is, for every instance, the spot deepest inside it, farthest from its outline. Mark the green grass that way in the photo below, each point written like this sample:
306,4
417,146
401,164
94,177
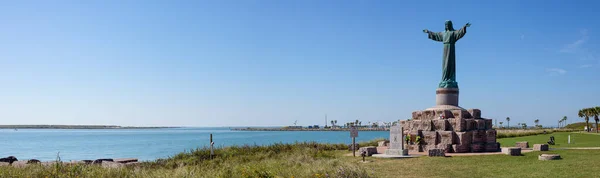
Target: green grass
560,138
309,159
575,163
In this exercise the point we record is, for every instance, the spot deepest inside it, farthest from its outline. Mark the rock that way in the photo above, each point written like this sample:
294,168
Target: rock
125,160
9,159
458,124
490,136
540,147
99,161
110,164
475,113
33,161
430,137
461,148
437,152
513,151
370,150
85,161
19,164
50,163
381,149
464,138
463,114
383,143
492,147
132,164
522,144
549,157
355,146
479,124
446,113
446,137
416,115
428,115
441,125
478,136
477,147
470,124
488,124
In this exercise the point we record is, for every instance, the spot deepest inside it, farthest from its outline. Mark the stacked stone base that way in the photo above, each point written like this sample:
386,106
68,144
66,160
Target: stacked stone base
460,131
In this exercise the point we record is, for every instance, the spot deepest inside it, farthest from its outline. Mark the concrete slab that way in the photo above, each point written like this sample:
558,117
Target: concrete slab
394,156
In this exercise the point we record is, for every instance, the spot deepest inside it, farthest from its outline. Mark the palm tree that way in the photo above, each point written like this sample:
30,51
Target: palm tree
334,122
508,122
584,113
501,124
332,125
537,121
565,120
596,112
360,123
559,122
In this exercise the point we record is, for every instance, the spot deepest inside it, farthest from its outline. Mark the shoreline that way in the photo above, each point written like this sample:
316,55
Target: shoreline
76,127
306,129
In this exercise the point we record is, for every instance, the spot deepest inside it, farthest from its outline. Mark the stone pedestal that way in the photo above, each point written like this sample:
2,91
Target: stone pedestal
403,152
446,96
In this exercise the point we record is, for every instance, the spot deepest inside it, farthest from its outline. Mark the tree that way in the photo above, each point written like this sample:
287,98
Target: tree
584,113
508,122
537,121
332,124
524,125
360,123
564,120
501,123
596,112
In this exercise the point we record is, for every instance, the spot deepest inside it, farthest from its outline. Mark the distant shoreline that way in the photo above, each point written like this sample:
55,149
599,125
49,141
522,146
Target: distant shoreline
306,129
76,127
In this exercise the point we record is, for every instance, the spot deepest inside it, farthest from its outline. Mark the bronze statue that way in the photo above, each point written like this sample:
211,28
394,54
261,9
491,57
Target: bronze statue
448,37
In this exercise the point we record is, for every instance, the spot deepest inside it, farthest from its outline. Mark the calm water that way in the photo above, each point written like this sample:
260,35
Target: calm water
147,144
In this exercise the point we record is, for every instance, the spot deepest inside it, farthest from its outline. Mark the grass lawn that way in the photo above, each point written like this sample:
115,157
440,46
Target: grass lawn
575,163
560,138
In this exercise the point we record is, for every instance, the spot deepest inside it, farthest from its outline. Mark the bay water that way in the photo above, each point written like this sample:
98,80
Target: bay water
148,144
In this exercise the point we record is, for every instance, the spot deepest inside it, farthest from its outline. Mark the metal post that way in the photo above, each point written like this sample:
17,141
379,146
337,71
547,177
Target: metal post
353,147
212,152
569,139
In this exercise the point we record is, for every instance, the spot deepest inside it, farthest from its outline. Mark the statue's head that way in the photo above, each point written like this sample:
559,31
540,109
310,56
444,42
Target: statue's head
449,26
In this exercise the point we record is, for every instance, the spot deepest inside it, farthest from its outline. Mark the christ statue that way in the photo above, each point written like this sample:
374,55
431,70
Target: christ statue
448,37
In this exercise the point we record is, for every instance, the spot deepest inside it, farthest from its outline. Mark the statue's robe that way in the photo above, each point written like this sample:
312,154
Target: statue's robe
448,37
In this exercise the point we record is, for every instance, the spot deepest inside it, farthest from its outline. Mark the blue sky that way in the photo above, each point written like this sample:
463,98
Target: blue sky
263,63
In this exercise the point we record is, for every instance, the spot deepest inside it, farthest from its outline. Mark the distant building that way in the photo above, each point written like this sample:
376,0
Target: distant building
294,127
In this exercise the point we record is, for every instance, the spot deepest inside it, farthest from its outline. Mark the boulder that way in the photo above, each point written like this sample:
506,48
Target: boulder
416,115
540,147
461,148
428,115
492,147
488,124
513,151
479,124
446,113
128,160
33,161
381,149
464,114
446,137
463,138
437,152
522,144
475,113
479,136
470,124
9,159
370,150
490,136
441,125
99,161
478,147
549,157
110,164
430,137
458,124
383,143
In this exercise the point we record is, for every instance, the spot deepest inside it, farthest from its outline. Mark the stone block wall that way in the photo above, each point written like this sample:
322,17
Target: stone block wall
459,131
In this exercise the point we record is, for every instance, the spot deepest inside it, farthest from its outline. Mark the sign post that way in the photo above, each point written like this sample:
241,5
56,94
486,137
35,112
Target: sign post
353,134
212,152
